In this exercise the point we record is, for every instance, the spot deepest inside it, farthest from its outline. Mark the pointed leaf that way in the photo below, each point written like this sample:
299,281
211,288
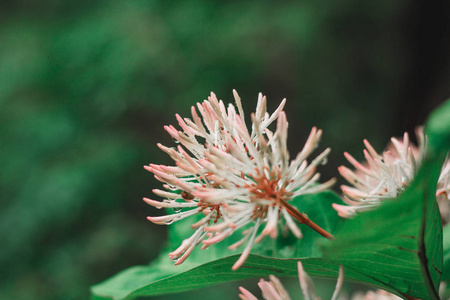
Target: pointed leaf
207,267
398,244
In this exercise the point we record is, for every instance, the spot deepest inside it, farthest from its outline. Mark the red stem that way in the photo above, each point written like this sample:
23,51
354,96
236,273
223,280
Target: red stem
303,219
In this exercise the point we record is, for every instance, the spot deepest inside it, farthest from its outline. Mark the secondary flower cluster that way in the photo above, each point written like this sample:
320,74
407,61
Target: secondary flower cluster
443,192
383,176
387,175
274,290
233,178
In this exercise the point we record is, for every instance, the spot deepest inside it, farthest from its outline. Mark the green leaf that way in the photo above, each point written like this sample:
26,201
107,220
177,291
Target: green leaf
213,265
400,244
397,245
439,128
211,273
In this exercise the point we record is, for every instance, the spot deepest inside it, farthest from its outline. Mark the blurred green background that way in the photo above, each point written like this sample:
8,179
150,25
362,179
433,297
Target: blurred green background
86,87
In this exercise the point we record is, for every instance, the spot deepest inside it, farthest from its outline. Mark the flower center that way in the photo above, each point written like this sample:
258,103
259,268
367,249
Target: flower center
207,208
266,191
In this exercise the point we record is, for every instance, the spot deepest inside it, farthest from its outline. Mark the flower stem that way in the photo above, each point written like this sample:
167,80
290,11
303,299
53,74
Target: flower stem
304,219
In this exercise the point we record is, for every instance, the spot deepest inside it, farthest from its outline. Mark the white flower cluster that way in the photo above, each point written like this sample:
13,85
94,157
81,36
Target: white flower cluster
235,178
383,176
274,290
387,175
443,192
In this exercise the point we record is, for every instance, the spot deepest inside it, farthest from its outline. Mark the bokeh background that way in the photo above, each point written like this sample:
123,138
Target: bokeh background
86,87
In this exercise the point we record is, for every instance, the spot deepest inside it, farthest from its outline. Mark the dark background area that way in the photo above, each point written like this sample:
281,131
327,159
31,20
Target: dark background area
86,87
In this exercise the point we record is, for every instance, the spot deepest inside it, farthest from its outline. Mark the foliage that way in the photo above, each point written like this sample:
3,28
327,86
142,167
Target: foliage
397,247
213,265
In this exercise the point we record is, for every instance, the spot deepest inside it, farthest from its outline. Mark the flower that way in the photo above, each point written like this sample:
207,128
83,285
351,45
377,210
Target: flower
237,179
387,175
383,176
443,191
274,290
308,287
